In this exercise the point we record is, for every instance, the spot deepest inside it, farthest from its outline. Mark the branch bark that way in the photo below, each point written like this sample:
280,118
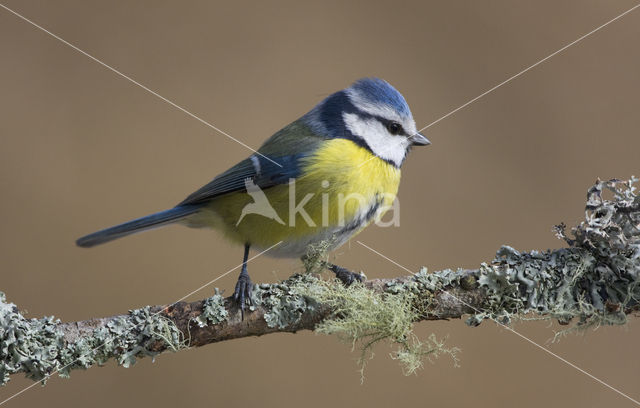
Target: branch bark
595,280
452,302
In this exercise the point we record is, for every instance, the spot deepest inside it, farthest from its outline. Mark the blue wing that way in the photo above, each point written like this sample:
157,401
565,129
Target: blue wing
264,173
268,168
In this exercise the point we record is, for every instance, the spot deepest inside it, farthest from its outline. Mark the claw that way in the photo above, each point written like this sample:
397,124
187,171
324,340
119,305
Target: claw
242,293
346,276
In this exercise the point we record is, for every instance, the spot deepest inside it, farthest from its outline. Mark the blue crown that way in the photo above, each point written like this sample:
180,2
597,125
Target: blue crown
379,91
326,117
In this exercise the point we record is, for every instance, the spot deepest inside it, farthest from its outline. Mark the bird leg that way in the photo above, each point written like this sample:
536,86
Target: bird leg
244,286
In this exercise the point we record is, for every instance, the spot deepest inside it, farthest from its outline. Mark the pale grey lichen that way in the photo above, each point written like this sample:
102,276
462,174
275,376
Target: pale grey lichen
38,347
285,302
213,310
423,280
29,346
595,280
126,338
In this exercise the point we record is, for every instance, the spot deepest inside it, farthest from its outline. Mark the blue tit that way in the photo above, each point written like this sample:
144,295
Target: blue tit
318,181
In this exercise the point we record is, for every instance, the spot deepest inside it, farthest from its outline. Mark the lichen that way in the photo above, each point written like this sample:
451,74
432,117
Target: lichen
361,316
364,318
413,353
317,256
141,333
213,310
38,347
285,302
595,280
29,346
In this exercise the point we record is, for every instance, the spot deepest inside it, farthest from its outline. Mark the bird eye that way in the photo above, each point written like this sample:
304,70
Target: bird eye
394,128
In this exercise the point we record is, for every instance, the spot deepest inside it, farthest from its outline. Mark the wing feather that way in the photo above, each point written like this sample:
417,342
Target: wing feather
297,139
266,174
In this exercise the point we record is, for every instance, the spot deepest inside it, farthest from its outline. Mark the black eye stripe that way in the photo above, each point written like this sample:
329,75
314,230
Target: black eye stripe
385,122
392,126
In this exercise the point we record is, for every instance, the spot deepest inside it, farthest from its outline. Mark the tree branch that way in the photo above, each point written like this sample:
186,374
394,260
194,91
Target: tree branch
595,280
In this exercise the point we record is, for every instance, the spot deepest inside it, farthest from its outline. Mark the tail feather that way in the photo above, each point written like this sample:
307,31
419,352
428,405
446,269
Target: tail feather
138,225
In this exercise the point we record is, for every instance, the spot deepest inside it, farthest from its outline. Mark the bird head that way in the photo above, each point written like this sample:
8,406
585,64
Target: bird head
373,114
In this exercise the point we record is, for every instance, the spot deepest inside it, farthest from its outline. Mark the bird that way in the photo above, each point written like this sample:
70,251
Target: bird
325,177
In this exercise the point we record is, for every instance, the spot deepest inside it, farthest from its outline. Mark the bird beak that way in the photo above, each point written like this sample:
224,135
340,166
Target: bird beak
419,140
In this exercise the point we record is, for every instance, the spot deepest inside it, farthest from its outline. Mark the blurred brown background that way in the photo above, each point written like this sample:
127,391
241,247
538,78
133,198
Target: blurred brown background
82,149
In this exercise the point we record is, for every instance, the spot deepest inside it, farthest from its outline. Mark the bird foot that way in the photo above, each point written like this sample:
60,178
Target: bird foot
346,276
242,293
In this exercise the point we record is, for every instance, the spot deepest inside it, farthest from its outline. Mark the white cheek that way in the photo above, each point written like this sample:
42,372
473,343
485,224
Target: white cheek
383,145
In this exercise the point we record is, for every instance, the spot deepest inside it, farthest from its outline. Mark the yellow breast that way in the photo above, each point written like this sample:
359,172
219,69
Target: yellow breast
354,178
342,188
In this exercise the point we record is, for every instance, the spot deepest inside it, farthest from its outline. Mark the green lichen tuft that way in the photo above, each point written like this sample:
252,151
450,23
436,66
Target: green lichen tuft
213,311
412,354
317,256
364,318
